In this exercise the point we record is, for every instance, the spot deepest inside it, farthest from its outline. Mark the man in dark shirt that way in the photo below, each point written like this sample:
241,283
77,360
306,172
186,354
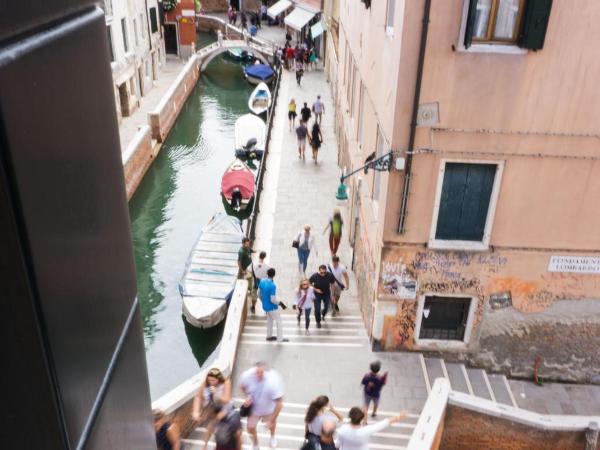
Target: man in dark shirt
372,383
321,282
228,427
305,113
244,261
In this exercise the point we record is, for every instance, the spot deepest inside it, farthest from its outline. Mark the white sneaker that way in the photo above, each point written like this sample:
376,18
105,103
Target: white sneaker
273,442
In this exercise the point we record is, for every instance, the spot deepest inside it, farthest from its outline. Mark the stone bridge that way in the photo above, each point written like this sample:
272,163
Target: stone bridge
230,37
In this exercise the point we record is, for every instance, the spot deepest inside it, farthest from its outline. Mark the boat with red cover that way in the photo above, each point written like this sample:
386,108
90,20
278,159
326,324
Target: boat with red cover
237,185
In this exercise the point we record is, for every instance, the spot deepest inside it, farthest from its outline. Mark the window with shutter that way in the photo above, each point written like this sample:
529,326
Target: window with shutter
506,23
465,195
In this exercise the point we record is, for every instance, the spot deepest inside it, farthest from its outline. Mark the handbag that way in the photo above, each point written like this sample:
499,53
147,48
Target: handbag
245,411
295,243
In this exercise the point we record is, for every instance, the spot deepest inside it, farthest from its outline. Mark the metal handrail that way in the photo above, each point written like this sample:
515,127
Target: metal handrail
251,227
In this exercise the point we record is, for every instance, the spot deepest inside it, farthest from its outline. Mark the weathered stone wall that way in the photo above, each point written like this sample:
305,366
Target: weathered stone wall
551,315
464,429
212,6
137,159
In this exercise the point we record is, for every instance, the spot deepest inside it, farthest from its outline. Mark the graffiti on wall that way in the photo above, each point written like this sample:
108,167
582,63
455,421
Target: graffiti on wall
521,277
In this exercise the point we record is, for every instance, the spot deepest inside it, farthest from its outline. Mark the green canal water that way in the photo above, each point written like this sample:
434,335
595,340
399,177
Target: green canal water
178,195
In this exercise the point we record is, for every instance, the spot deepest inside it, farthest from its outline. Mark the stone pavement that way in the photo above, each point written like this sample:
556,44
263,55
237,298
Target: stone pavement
130,124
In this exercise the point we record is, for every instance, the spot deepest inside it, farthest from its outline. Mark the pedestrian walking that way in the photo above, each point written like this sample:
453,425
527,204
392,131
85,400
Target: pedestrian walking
230,14
299,72
372,384
289,57
304,243
167,433
319,410
288,37
235,16
244,20
264,390
321,282
215,383
258,24
303,302
270,304
339,272
301,134
305,113
292,114
335,226
227,428
312,59
253,30
259,272
353,436
244,261
263,11
318,108
316,139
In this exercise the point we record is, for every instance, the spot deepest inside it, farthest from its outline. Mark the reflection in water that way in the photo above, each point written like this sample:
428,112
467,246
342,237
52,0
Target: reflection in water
178,195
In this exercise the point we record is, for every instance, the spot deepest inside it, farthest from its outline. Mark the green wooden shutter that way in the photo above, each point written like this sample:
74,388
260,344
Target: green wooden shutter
464,202
451,200
535,24
471,15
476,201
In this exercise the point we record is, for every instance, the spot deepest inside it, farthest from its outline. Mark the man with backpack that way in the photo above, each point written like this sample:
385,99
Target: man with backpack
228,426
339,272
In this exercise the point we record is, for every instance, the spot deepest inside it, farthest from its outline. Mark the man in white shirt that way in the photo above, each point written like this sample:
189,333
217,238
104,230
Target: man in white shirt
353,436
259,272
338,270
318,108
264,391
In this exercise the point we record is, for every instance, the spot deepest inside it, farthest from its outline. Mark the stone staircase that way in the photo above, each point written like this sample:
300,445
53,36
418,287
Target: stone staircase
475,382
290,431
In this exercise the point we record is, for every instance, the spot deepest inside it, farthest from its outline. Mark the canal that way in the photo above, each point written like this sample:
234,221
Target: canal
178,195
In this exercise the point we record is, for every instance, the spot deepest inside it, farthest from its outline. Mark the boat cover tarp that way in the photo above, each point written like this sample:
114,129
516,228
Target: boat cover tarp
260,71
242,179
247,127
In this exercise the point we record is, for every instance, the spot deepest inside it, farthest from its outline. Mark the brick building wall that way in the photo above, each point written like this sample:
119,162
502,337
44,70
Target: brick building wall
464,429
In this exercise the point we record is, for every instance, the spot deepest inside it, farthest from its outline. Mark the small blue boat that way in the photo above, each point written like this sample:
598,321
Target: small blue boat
211,272
257,73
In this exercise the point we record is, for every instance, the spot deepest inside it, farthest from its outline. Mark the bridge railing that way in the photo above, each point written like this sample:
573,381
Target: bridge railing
232,32
251,226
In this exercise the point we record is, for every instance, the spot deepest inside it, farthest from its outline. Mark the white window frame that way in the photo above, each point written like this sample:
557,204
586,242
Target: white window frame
483,245
389,25
439,344
481,47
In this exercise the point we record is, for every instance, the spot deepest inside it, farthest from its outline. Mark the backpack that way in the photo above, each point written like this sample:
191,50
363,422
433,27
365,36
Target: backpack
225,429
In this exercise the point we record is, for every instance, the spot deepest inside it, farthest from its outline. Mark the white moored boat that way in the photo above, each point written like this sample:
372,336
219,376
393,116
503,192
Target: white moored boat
211,272
250,136
260,99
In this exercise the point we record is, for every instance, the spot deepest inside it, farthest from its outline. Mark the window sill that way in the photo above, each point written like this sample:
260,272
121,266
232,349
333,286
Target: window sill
503,49
473,246
439,344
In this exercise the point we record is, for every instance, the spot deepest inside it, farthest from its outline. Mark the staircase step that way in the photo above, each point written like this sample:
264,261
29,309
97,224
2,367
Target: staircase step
434,369
478,383
457,377
501,389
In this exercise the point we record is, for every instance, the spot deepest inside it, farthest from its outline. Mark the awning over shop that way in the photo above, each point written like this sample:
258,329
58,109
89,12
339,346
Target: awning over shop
317,29
298,18
278,8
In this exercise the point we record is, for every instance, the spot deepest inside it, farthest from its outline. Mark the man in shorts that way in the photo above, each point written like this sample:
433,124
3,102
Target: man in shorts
301,134
339,272
263,388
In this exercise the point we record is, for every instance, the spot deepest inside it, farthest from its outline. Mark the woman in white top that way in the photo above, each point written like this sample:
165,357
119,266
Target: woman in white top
305,296
354,436
215,384
315,415
306,242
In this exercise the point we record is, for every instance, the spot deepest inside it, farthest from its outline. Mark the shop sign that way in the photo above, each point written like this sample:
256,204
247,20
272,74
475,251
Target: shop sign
574,264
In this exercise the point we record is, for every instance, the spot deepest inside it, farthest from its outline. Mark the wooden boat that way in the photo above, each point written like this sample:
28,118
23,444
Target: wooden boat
260,99
237,185
211,272
257,73
250,136
237,54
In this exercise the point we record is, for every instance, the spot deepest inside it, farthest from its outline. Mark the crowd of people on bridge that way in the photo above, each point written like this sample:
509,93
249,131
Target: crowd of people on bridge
263,390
